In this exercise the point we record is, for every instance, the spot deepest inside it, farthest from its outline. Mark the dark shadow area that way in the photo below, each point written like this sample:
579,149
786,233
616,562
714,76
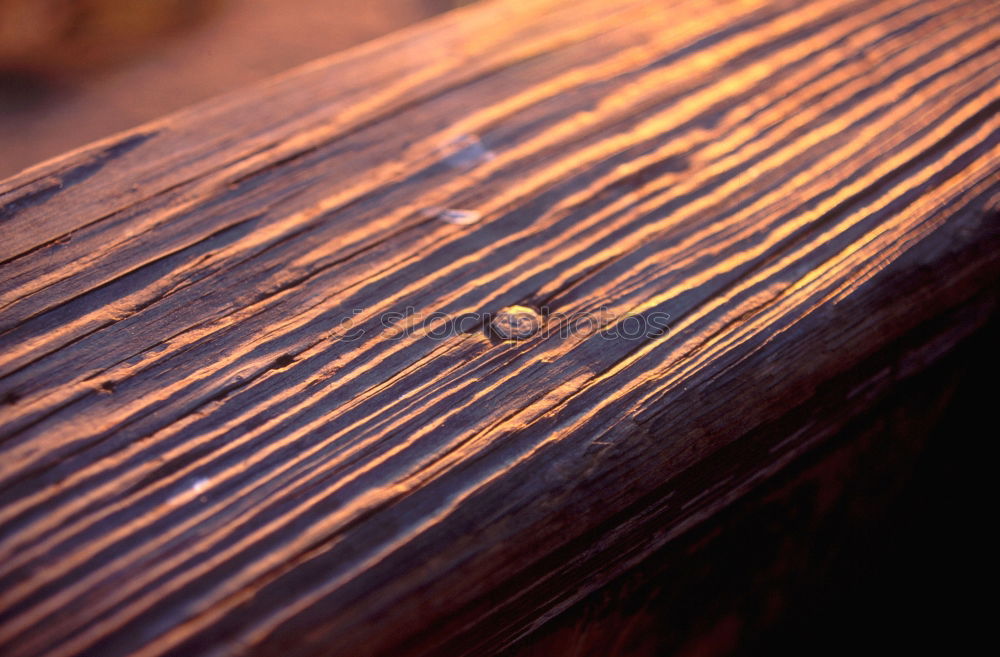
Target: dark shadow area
871,544
914,583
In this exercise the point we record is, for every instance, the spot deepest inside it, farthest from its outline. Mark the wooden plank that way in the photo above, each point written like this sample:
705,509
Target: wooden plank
827,548
199,456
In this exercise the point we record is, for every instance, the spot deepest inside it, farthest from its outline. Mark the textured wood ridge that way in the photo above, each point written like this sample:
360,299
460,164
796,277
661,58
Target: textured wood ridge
193,461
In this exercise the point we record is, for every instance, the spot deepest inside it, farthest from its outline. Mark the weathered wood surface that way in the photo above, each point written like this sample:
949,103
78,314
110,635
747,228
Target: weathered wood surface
194,462
832,553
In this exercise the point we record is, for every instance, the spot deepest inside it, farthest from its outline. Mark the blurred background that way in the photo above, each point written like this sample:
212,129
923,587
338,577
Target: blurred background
72,71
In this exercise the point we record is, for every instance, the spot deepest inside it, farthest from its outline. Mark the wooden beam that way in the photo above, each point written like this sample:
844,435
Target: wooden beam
234,419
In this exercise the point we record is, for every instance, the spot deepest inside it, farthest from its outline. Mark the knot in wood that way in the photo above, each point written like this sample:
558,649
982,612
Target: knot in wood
516,323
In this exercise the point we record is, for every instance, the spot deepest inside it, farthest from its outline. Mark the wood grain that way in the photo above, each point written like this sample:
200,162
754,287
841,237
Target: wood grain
194,461
822,556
